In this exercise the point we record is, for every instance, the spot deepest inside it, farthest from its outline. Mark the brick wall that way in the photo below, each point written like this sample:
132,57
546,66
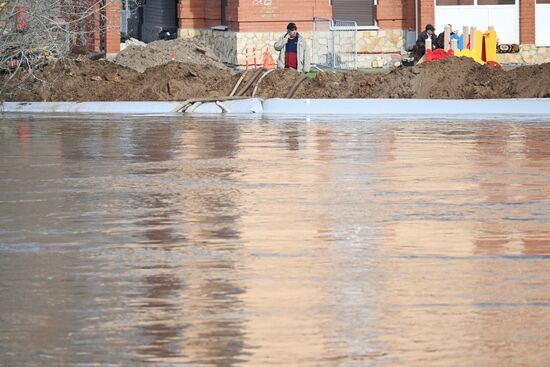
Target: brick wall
94,23
274,15
401,14
390,14
527,21
200,13
93,38
409,14
426,13
112,31
252,15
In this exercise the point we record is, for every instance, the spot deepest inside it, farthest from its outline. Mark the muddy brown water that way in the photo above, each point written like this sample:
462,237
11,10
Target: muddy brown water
249,242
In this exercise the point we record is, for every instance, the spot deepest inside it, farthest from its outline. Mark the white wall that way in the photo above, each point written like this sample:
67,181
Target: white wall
505,19
542,24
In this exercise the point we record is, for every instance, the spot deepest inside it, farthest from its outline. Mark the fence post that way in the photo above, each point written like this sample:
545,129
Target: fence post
334,44
333,31
313,62
447,37
355,46
465,37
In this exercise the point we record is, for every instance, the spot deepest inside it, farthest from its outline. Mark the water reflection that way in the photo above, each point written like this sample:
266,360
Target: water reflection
215,242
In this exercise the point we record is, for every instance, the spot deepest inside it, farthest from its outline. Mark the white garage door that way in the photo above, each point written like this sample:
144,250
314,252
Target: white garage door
542,23
501,14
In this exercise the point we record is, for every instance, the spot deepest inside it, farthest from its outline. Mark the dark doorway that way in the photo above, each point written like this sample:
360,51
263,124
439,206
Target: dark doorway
158,16
223,16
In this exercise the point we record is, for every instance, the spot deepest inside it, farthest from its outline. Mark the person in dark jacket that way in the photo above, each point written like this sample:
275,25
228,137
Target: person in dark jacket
420,47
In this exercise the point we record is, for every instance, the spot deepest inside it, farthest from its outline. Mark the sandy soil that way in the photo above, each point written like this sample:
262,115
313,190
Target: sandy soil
187,50
87,80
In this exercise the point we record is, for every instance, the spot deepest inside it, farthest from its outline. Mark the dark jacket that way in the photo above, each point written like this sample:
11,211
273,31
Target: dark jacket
420,47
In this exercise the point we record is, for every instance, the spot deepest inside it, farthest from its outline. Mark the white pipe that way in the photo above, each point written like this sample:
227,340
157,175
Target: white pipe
259,81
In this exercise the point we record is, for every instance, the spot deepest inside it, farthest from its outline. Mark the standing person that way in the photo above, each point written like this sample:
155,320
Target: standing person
293,50
420,47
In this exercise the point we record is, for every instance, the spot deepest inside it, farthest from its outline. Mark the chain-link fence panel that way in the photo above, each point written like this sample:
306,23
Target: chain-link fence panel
334,44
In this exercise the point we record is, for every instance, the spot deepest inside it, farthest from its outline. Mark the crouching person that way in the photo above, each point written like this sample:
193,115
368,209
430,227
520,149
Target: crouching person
420,46
293,50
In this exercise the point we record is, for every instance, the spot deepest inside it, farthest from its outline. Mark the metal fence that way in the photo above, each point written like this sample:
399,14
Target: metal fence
334,44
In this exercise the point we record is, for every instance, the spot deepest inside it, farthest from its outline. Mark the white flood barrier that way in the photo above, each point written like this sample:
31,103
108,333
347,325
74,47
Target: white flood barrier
92,107
441,108
408,107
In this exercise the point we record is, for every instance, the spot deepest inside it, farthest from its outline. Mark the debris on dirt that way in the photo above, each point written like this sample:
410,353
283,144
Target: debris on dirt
132,42
186,50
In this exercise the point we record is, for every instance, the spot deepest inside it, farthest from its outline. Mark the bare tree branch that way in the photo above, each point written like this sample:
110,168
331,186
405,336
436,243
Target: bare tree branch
36,32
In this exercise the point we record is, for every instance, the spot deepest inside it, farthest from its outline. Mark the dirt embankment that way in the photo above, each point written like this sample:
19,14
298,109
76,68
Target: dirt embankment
455,78
106,81
450,78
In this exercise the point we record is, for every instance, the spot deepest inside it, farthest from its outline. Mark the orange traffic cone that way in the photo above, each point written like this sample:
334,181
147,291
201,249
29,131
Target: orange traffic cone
268,62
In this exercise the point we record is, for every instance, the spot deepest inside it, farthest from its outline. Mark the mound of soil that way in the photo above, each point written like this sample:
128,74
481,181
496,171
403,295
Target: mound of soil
187,50
86,80
450,78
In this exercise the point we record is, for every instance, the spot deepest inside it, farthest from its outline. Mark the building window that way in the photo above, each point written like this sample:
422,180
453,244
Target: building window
360,11
543,1
478,2
496,2
454,2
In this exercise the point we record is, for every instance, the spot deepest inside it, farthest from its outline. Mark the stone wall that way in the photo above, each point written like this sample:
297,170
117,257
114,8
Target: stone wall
231,47
381,41
528,54
381,48
376,48
223,43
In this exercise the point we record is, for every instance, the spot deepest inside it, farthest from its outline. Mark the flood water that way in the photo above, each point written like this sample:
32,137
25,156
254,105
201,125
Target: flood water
252,242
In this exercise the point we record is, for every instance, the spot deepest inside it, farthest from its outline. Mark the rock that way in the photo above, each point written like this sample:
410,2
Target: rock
112,78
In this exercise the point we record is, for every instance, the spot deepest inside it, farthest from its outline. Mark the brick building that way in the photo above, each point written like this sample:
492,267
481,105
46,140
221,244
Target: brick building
386,28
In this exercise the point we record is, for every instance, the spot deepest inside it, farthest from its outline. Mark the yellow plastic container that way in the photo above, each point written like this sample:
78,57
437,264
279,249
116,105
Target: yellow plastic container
490,45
